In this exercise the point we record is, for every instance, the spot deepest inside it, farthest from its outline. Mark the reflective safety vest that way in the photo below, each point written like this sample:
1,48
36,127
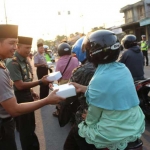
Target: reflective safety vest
144,46
47,57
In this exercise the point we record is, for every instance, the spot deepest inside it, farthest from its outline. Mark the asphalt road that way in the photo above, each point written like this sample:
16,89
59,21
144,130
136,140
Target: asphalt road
51,136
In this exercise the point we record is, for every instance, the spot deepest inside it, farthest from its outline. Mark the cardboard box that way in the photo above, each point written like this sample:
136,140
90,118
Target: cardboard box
54,76
65,90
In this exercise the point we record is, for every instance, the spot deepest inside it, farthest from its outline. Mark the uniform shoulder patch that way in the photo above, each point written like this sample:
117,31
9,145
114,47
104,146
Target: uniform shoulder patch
14,61
2,65
11,83
14,58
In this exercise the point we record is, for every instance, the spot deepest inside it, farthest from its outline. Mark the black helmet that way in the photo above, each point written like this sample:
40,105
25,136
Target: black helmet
64,49
129,41
101,47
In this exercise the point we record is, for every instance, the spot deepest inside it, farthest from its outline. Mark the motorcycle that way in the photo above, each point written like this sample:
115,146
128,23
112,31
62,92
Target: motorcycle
143,89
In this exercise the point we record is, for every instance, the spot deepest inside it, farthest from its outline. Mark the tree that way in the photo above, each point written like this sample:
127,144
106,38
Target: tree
60,38
50,43
97,28
40,41
47,42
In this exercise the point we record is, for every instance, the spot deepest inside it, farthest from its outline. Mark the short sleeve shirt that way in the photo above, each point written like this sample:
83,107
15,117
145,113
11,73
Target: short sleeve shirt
6,90
39,59
61,64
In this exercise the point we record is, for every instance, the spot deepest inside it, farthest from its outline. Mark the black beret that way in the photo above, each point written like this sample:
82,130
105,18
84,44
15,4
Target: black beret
8,31
24,40
40,44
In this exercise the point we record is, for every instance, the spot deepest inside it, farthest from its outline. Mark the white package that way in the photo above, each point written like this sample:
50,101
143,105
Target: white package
54,76
49,63
65,90
50,66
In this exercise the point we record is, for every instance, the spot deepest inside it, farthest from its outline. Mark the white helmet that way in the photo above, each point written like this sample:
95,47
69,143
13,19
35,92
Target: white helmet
46,46
143,36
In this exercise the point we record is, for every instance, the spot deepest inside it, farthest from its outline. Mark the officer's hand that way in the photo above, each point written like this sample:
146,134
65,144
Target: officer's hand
35,96
52,98
44,65
45,81
51,86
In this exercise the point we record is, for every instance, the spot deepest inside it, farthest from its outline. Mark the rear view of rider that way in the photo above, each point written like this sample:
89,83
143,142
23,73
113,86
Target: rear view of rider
114,118
66,63
133,57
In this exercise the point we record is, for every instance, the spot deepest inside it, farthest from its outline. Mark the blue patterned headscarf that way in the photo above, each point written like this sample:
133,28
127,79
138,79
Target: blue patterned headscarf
112,88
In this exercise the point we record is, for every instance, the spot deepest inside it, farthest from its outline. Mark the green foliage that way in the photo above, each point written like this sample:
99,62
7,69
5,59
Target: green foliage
97,28
60,38
40,41
50,43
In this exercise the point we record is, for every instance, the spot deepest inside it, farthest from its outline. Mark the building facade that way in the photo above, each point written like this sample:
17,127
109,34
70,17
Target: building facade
137,19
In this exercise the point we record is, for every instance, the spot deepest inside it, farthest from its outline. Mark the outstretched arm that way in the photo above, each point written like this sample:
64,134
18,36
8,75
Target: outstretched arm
15,109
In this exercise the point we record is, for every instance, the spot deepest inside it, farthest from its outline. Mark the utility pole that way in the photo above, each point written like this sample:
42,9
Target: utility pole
63,13
5,12
82,23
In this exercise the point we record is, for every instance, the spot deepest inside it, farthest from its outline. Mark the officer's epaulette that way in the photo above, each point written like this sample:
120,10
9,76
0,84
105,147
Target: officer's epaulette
14,60
2,65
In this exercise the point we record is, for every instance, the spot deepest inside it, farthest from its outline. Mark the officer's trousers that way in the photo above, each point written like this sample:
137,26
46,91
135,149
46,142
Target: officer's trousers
44,89
26,123
145,55
7,135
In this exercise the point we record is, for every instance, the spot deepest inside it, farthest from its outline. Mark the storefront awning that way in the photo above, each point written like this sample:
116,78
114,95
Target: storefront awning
129,25
145,22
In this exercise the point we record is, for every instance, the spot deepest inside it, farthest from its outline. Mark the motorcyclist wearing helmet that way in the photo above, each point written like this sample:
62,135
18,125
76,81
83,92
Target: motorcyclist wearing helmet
81,75
132,57
66,64
114,117
64,51
76,49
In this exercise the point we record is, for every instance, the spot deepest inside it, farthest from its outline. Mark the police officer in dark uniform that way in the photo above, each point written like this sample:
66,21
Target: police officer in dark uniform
8,104
42,69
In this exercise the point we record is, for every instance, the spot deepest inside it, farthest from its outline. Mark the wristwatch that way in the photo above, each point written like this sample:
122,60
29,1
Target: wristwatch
40,82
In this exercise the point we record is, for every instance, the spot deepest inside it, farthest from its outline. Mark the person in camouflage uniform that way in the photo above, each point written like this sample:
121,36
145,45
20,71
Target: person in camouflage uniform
81,75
